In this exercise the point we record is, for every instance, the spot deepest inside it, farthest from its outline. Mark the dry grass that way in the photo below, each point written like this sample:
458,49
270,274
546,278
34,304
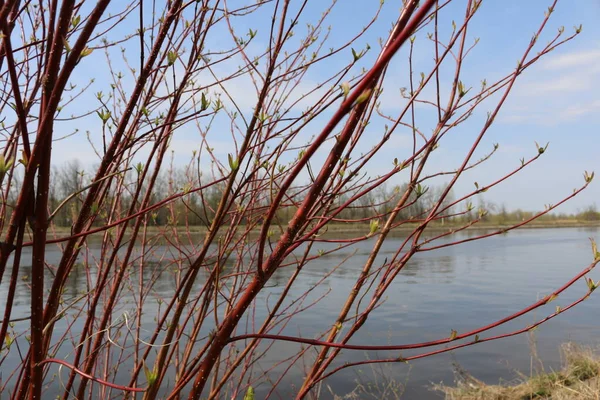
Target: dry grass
578,379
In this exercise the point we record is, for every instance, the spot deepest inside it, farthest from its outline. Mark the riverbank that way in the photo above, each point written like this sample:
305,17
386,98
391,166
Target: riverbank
578,379
362,228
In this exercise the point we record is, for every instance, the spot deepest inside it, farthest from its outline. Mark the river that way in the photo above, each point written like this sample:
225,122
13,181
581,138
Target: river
459,288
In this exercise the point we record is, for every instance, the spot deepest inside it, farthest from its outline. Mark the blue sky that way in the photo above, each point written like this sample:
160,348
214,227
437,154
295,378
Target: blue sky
556,101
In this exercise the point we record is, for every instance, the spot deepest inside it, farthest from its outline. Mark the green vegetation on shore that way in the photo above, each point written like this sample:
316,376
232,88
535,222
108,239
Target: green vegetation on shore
358,228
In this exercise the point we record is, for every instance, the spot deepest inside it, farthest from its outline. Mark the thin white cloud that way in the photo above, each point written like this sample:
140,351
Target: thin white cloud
562,88
578,110
568,83
575,59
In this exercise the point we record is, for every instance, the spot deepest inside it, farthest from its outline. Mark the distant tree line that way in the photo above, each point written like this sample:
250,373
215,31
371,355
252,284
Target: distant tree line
70,180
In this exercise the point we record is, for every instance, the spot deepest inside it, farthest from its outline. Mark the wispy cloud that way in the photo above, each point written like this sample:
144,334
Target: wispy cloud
581,109
554,85
561,88
578,59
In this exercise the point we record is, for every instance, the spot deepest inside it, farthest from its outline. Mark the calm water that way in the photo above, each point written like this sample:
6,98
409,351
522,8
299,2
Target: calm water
455,288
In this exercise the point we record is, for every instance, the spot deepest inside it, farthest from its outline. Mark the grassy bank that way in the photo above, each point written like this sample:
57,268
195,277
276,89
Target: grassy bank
578,379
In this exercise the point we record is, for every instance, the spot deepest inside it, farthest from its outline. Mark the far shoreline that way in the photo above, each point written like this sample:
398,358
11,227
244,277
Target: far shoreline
351,228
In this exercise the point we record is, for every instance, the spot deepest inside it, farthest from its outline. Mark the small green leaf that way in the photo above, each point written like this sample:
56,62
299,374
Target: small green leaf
66,44
591,284
150,375
249,393
482,212
345,86
8,340
595,252
171,57
541,149
453,334
104,115
233,163
218,105
373,226
4,165
24,159
75,21
204,102
363,96
86,52
420,190
461,89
